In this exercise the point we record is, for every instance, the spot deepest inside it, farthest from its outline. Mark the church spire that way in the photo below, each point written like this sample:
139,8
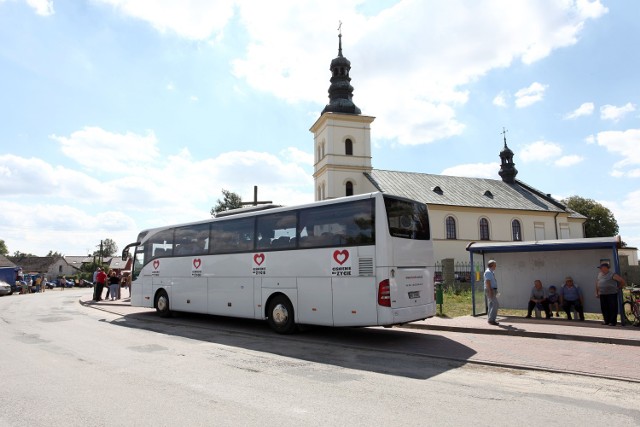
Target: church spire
340,91
508,169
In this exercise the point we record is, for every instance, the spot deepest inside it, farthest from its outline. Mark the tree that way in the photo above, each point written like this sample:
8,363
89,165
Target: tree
108,249
19,254
3,248
230,201
55,254
600,220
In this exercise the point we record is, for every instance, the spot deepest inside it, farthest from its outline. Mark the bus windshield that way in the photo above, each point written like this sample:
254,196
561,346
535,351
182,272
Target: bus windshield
407,219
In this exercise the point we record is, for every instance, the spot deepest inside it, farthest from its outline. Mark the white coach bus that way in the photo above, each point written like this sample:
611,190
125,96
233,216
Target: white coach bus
353,261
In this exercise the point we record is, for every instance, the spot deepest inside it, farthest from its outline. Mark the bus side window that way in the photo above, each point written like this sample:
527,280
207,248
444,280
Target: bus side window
277,231
231,236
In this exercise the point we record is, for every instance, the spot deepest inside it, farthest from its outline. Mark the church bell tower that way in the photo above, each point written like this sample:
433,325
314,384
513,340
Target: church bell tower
342,140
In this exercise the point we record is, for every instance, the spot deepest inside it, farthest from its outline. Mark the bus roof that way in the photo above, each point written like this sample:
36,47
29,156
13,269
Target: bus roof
247,212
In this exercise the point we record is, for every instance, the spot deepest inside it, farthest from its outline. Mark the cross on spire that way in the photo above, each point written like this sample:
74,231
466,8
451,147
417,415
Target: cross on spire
340,38
504,135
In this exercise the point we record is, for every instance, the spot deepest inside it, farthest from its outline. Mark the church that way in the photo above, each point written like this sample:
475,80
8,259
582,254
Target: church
461,209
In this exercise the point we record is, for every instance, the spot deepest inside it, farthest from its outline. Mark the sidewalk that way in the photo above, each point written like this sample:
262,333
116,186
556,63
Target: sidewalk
556,328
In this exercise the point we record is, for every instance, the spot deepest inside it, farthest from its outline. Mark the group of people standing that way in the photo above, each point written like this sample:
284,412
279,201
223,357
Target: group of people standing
569,297
112,281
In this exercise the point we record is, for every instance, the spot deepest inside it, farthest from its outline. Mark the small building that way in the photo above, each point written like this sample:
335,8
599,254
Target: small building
49,265
550,261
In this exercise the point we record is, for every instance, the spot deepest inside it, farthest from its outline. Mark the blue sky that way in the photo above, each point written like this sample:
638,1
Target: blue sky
119,115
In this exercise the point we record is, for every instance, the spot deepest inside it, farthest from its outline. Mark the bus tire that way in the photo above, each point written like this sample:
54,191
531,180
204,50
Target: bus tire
281,316
162,304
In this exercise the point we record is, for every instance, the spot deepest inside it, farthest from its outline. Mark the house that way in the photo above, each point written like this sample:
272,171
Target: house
52,266
461,209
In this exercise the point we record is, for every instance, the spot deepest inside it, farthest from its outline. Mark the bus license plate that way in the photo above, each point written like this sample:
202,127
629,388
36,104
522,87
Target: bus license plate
414,294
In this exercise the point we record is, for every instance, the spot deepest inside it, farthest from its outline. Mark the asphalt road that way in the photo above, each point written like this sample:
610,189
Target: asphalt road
66,364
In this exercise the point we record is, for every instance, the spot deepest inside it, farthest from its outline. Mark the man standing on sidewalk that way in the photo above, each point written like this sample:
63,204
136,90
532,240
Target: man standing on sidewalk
101,279
491,292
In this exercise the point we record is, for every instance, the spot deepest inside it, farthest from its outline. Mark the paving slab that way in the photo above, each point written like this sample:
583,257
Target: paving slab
555,328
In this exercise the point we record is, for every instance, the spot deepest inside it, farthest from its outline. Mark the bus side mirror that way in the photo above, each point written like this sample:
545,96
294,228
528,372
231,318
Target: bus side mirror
125,251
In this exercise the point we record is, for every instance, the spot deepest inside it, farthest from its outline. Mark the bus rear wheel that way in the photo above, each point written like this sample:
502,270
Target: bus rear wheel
281,317
162,304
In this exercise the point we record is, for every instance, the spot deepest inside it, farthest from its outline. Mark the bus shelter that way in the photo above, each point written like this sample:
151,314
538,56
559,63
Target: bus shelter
520,263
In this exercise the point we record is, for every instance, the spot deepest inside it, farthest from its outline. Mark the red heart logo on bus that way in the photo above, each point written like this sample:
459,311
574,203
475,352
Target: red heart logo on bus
258,258
196,263
341,256
156,264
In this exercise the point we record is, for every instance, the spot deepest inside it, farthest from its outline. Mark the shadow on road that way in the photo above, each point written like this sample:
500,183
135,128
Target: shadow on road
386,351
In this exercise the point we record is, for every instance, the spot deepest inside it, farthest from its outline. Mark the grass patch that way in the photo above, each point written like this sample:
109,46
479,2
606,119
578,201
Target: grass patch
457,303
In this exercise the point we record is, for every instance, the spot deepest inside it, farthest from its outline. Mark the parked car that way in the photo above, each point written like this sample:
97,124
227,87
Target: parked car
50,285
5,289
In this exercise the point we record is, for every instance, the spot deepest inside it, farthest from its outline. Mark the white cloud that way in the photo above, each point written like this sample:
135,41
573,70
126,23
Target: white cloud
42,7
611,112
530,95
625,144
474,170
124,177
540,151
488,35
500,100
590,9
567,161
626,213
191,19
591,139
586,109
93,146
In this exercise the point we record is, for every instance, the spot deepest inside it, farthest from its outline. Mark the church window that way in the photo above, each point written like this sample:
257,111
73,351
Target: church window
348,147
516,230
484,229
450,224
349,188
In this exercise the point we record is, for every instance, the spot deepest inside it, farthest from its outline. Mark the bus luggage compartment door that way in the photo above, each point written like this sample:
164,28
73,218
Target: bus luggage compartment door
354,301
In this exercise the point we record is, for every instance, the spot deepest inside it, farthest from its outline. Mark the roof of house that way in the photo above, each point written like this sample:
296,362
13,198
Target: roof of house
77,261
34,263
116,263
6,262
466,192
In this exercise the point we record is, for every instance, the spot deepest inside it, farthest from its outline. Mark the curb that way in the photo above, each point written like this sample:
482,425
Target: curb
528,334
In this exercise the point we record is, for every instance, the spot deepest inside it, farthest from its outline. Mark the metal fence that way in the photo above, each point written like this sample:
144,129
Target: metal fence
462,273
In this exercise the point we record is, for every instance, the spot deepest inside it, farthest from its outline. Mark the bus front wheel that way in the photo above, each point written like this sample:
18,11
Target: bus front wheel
281,318
162,304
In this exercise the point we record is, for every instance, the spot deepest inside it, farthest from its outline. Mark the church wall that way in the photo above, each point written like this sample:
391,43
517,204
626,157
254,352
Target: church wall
500,228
